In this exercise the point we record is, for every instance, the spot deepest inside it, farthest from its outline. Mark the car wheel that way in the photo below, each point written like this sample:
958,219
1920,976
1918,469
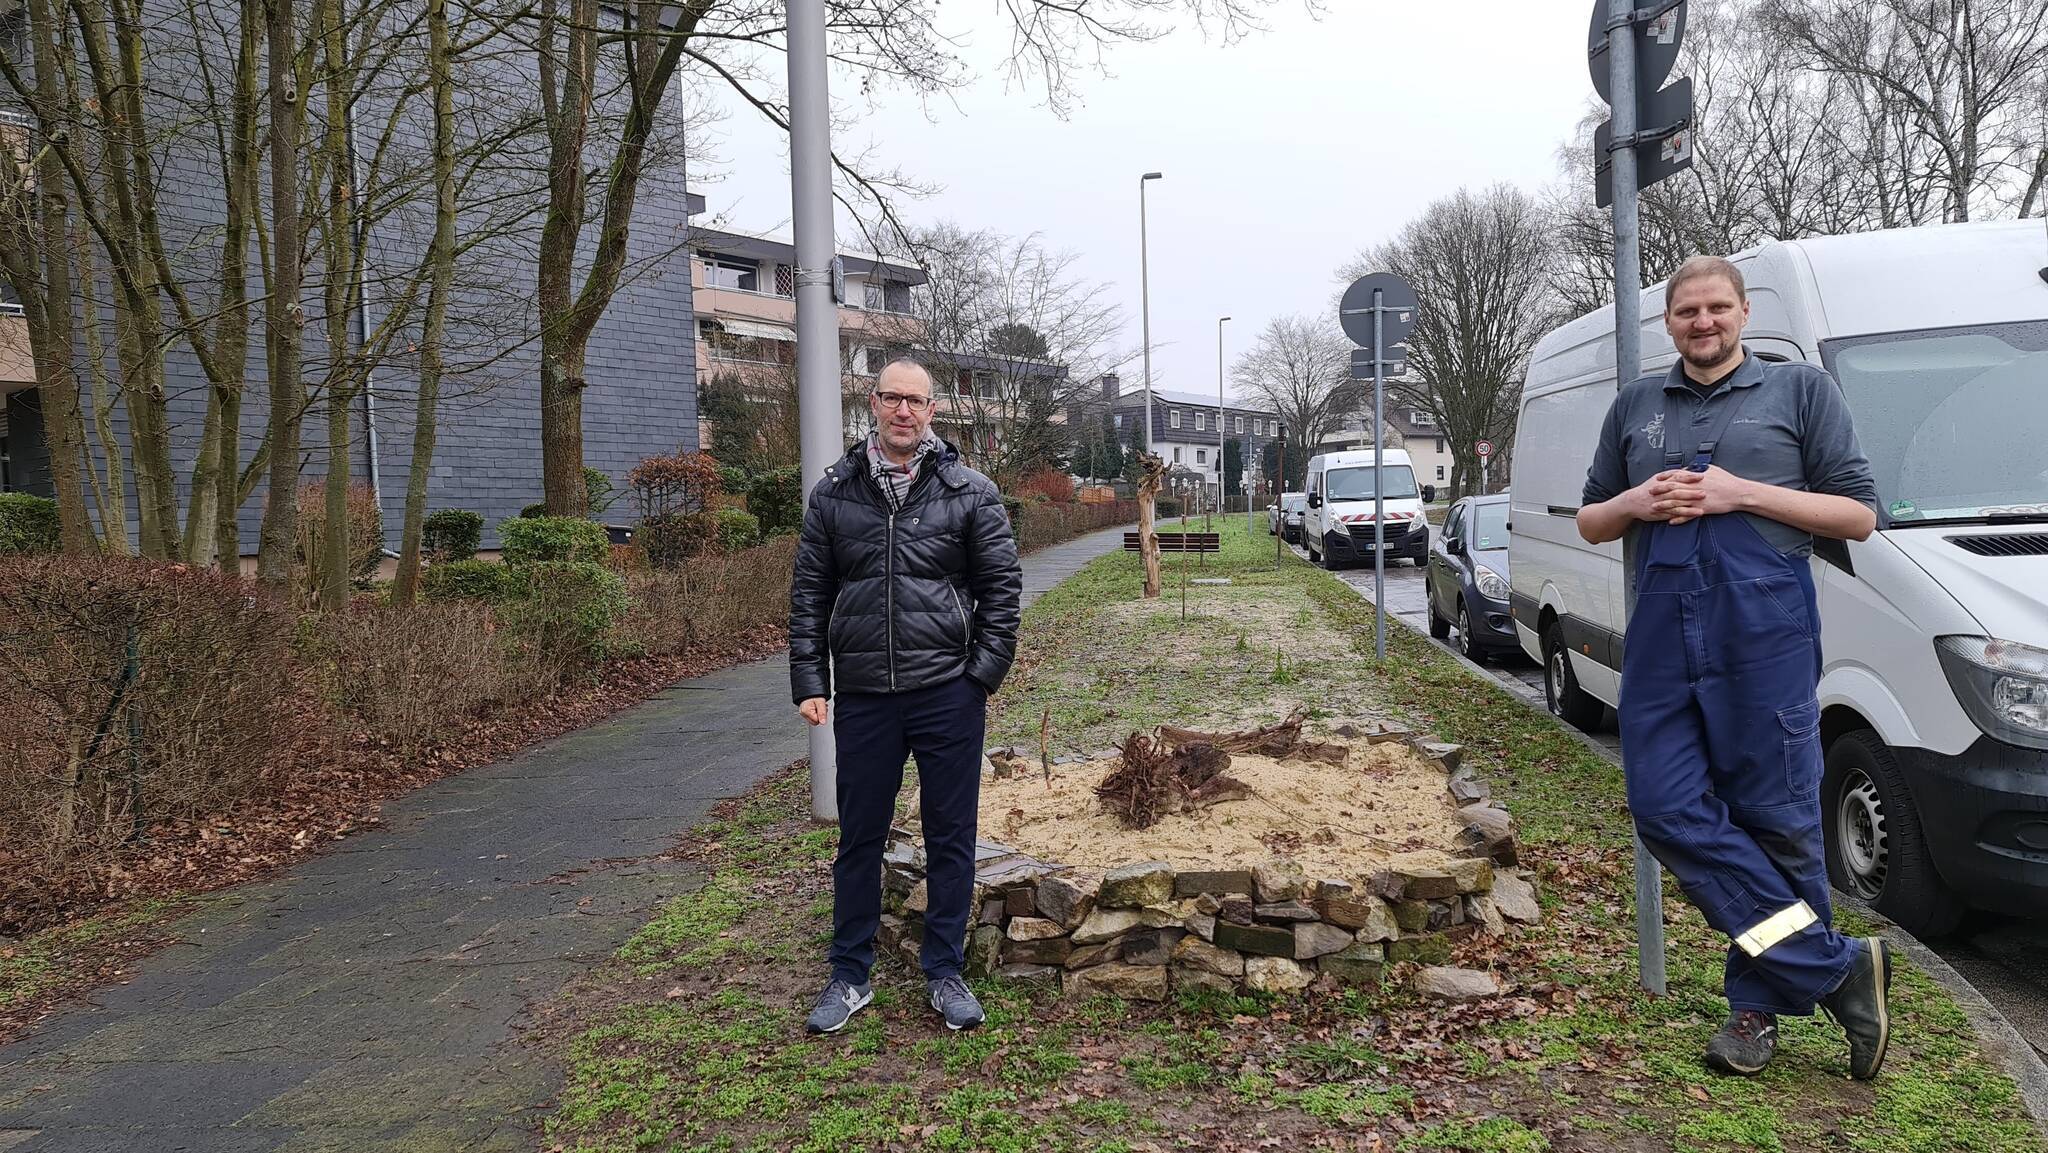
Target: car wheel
1329,562
1876,849
1438,626
1468,642
1561,692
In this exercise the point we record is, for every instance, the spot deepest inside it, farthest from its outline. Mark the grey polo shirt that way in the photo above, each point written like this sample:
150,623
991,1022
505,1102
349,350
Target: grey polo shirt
1793,432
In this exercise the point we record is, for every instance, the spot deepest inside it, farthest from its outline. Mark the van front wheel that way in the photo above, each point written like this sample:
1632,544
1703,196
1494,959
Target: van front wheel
1876,849
1561,692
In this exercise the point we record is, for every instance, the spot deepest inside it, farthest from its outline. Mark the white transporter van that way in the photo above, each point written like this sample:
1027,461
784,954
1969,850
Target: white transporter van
1337,527
1934,693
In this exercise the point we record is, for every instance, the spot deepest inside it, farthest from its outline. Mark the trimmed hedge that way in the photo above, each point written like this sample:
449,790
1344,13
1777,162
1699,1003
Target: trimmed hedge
776,498
568,610
471,580
28,524
453,534
737,530
549,539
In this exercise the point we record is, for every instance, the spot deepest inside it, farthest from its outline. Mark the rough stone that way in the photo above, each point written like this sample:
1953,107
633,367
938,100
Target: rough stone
1135,886
992,911
1029,974
983,950
1480,910
1185,977
1386,733
1275,975
1264,940
1448,754
1237,910
1021,902
1315,939
919,899
1212,882
1201,925
1047,951
1361,951
1427,949
1034,929
1012,870
1446,914
1515,897
1208,903
1102,924
1427,885
1152,946
1467,790
1067,897
1412,916
904,854
1352,974
1087,955
893,930
1276,881
1489,832
1472,874
1131,982
1372,918
1159,917
1195,953
1284,912
1329,888
1456,985
1386,884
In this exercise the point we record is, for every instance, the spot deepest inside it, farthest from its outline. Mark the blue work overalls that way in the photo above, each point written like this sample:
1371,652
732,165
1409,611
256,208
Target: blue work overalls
1720,735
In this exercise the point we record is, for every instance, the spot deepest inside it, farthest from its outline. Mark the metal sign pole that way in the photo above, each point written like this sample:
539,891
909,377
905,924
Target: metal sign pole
1379,488
820,421
1628,332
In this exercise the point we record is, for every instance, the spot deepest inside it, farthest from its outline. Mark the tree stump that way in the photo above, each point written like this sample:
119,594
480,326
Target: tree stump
1152,475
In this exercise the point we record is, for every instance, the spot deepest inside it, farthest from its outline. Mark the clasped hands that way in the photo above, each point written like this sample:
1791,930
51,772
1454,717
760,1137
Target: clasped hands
1680,495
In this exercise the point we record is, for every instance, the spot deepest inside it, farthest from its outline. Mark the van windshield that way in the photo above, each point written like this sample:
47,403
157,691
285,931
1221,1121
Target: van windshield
1954,420
1356,483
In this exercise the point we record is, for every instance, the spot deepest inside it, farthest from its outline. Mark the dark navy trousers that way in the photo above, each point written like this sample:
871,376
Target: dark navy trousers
1720,735
875,733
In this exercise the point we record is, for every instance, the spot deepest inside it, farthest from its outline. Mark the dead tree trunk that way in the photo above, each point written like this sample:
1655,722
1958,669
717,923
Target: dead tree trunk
1153,473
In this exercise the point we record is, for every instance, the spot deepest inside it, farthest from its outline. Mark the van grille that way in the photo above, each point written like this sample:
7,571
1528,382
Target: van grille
2023,544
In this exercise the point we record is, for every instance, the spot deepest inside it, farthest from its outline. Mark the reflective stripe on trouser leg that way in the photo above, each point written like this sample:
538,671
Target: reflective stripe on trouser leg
1775,928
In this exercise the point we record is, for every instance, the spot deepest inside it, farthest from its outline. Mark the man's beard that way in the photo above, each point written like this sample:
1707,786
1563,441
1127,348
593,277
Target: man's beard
1721,351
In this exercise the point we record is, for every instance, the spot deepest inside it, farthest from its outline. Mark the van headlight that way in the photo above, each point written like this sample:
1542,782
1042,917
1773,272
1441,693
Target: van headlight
1491,586
2003,685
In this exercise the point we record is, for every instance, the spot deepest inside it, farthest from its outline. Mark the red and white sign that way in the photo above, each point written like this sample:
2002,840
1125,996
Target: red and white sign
1485,448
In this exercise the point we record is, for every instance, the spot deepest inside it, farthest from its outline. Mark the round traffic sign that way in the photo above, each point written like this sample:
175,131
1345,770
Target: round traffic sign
1657,42
1485,448
1354,312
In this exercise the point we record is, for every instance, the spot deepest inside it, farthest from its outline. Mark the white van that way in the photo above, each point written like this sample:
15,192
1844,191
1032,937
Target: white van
1337,527
1934,693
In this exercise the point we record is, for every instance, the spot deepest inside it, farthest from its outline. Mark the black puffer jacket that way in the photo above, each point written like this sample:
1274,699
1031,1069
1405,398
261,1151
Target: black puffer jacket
906,600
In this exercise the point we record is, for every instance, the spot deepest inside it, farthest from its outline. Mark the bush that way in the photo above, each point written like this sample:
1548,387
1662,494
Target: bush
776,498
710,599
685,482
564,622
553,539
1049,524
1165,506
365,533
410,678
452,534
533,511
670,540
733,478
28,524
1047,484
736,529
469,580
599,493
91,756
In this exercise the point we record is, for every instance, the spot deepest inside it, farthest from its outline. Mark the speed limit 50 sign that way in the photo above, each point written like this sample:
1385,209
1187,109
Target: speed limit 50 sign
1485,448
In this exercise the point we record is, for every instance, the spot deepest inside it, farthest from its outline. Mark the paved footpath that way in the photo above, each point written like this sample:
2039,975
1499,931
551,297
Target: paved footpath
369,998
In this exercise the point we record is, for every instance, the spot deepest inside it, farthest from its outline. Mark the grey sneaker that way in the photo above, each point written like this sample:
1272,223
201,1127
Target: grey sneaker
1745,1044
837,1005
1859,1006
955,1002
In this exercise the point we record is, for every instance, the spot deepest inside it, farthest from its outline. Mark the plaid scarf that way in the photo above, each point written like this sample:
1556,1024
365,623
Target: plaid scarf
896,479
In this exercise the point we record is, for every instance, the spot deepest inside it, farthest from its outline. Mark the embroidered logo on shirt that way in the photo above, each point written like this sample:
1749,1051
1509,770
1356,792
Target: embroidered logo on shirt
1654,431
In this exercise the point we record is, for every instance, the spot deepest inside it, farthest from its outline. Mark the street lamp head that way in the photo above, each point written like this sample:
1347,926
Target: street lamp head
1221,319
1151,176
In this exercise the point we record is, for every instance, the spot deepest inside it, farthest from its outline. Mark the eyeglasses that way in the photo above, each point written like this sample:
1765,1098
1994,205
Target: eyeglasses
904,400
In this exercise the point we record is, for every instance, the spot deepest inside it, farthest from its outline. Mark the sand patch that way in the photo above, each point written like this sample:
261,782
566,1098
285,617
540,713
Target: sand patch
1264,615
1386,805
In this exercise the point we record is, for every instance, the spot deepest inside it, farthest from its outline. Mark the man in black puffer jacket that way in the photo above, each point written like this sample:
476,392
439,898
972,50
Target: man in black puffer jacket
907,588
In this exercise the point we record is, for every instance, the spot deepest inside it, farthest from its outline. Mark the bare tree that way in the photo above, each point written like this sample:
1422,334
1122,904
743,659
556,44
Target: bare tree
1302,366
1480,267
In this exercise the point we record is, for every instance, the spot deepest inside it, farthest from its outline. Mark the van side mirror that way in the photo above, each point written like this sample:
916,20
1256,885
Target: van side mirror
1315,500
1428,494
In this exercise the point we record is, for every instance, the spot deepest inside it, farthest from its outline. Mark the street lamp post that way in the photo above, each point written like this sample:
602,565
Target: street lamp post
1222,473
1145,302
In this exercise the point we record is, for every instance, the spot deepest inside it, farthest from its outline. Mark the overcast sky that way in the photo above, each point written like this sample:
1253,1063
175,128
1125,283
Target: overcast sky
1283,154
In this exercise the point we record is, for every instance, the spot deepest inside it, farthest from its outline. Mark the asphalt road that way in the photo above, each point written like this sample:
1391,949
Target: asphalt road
2006,959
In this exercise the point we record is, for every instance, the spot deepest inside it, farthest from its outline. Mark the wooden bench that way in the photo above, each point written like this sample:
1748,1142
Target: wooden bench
1196,542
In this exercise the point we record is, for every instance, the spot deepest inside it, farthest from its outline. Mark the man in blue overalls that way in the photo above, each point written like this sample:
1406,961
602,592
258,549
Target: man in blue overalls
1719,474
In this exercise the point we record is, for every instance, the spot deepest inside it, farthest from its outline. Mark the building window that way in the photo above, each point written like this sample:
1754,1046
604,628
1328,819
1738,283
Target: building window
1240,424
1176,450
1119,418
1421,419
1439,472
729,274
1201,422
1201,456
1173,421
1439,444
871,296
